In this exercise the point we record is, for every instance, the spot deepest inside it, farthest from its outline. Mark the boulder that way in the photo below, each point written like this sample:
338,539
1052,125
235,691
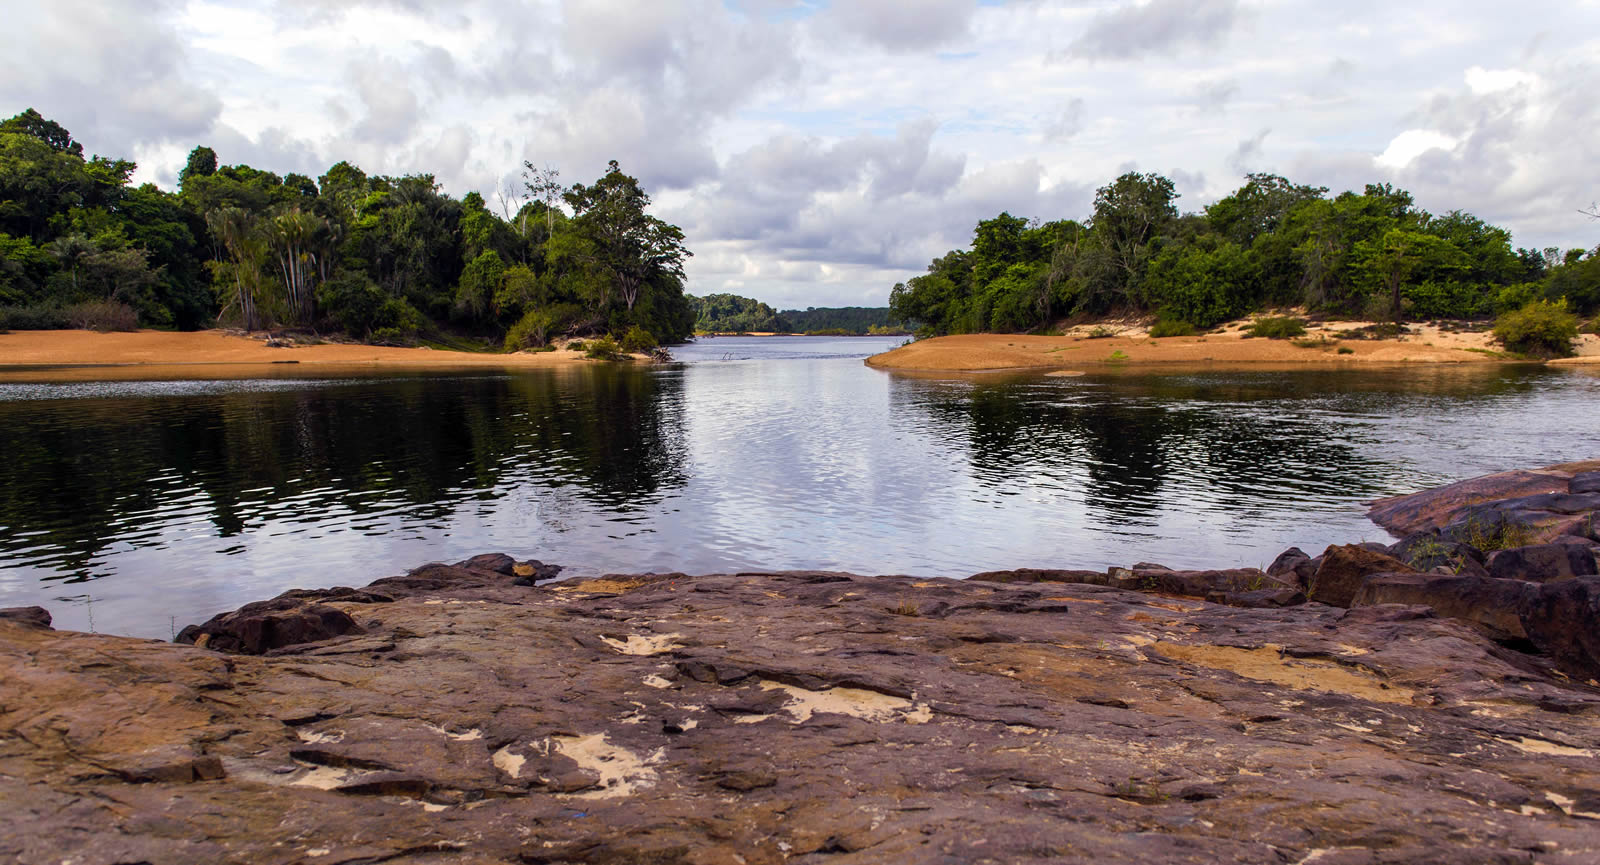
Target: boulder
1492,607
1544,562
1293,567
1438,507
1584,482
1343,570
37,617
533,571
1145,577
1563,620
260,627
1527,520
496,563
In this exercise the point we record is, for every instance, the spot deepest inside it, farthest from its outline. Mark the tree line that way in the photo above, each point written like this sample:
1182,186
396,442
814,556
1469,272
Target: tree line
730,313
1271,243
388,259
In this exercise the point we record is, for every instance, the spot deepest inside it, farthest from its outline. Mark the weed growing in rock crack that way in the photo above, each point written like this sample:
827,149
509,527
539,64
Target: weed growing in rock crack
906,608
1144,791
1489,536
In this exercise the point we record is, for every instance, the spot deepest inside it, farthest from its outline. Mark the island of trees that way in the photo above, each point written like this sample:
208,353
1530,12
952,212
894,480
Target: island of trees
389,259
730,313
1271,243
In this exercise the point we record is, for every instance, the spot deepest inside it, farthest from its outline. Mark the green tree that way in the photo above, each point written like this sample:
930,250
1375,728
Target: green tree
630,245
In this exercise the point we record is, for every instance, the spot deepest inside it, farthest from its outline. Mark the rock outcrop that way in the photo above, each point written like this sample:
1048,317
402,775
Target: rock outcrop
800,717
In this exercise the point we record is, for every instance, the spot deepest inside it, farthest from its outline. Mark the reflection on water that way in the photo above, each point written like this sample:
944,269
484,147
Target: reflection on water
140,506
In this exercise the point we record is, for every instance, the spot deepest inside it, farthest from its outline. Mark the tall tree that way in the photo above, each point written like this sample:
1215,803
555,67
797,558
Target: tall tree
631,246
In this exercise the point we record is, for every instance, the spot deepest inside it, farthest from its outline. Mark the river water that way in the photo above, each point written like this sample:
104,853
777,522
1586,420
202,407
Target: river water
138,507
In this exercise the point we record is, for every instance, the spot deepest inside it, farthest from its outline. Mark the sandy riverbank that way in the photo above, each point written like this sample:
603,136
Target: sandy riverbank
1133,346
214,353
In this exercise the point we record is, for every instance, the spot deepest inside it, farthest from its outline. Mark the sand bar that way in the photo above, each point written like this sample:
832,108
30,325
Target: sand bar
1323,345
81,354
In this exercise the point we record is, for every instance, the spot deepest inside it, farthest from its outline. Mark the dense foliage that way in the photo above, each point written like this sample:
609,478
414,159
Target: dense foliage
1540,329
730,313
843,319
381,258
1271,243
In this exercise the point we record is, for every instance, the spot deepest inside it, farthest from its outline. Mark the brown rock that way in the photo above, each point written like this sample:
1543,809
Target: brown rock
37,617
1438,507
1492,606
1038,575
1343,570
1544,562
767,718
1563,619
263,626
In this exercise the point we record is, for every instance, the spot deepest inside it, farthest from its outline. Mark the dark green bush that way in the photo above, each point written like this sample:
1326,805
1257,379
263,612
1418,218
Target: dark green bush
1540,329
1278,328
604,348
102,315
38,316
638,340
1171,327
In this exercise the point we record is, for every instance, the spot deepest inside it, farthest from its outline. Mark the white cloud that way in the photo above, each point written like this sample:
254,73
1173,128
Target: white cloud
1412,143
817,153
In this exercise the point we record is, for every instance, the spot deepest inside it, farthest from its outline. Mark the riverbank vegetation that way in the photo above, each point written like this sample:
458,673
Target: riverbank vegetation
1271,243
730,313
384,259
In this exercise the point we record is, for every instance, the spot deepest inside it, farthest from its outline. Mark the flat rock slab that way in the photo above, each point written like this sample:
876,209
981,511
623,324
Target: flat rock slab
799,717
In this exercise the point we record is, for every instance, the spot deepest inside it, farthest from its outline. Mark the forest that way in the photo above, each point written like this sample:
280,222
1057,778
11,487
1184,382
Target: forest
385,259
1271,243
730,313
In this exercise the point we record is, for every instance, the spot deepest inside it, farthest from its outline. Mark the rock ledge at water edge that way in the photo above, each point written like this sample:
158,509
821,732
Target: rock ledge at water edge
477,713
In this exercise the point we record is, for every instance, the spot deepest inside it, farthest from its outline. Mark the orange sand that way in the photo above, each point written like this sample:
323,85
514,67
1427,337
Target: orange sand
215,354
1132,346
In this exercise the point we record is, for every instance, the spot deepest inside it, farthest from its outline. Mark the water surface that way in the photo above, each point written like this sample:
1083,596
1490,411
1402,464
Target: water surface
137,507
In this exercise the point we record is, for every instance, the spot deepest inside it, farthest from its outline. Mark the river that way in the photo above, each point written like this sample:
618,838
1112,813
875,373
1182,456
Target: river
138,507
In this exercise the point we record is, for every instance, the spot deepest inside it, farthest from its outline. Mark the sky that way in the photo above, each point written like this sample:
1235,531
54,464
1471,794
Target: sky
816,153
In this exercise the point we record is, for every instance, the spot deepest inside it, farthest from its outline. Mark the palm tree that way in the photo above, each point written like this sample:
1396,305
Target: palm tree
238,230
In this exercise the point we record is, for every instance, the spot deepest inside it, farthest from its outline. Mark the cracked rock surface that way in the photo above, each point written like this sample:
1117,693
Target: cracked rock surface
795,717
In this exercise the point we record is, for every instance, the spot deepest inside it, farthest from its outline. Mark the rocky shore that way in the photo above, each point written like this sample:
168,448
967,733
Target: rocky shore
1432,701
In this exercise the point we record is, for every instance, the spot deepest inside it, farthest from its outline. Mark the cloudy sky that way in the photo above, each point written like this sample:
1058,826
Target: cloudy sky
817,152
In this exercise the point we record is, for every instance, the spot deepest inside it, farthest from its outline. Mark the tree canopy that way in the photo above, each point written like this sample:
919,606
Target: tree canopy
382,258
1269,243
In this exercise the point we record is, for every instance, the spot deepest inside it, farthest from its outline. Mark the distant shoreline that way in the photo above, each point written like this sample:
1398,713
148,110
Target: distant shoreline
774,333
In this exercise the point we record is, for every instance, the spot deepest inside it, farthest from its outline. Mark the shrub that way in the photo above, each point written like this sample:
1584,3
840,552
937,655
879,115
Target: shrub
604,348
639,340
102,315
1278,328
38,316
577,345
1171,327
1344,349
397,323
1541,329
1100,332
